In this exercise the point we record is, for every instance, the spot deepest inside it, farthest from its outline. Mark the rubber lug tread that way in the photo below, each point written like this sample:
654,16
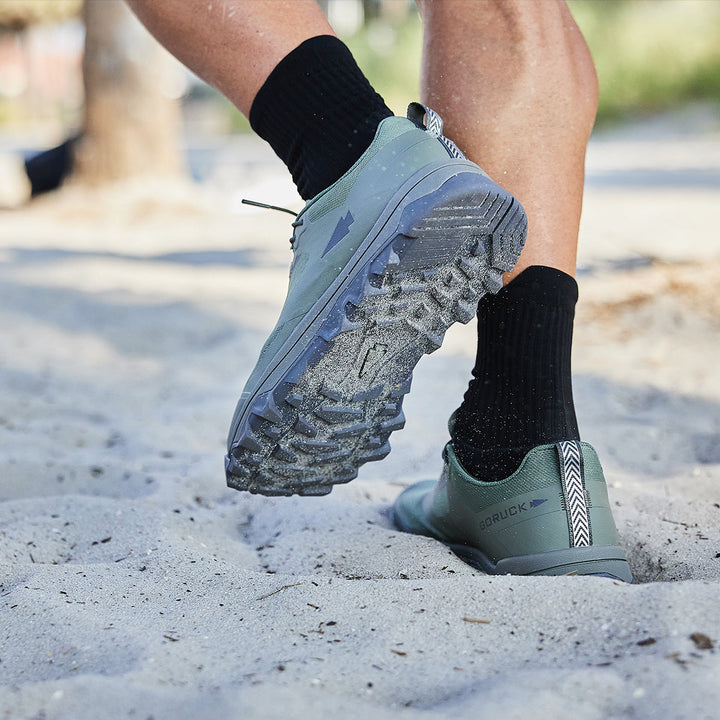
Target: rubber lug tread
479,235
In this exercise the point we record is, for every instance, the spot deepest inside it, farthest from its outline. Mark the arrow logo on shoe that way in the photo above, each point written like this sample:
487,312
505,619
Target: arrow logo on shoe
340,231
538,501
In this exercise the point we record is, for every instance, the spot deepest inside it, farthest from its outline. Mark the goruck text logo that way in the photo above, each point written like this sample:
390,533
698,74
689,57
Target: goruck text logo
510,511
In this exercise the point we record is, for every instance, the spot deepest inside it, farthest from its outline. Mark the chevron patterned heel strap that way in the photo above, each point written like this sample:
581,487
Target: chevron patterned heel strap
572,475
426,118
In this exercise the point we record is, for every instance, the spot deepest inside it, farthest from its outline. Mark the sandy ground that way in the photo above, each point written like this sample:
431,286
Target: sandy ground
133,584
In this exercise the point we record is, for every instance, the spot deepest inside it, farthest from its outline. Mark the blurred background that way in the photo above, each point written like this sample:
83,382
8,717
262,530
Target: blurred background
88,73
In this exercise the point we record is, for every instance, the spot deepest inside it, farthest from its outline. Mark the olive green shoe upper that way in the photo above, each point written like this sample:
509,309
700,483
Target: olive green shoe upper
385,261
332,225
551,516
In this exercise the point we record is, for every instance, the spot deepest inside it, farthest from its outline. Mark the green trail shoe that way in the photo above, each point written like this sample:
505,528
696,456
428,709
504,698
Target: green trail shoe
385,260
550,517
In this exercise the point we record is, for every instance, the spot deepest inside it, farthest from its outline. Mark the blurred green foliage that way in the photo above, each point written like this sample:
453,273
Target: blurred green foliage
651,55
389,54
19,14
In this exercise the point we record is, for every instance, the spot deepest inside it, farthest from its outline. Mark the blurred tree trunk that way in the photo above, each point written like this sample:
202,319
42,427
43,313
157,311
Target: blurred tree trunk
130,127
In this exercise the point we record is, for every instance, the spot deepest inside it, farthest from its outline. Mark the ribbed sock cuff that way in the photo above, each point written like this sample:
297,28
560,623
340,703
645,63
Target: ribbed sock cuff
521,392
318,112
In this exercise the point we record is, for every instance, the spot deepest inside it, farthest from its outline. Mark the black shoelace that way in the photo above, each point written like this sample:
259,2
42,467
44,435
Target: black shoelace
295,223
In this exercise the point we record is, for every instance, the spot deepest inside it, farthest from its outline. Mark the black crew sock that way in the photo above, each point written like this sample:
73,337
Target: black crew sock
318,112
521,394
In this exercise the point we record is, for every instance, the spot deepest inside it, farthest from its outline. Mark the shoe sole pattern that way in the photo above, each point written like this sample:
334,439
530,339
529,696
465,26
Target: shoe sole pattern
336,405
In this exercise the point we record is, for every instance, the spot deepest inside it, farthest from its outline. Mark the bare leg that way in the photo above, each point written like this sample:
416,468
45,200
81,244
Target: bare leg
232,44
513,80
516,86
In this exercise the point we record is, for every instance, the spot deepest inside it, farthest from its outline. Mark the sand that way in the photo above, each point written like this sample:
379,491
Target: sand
134,584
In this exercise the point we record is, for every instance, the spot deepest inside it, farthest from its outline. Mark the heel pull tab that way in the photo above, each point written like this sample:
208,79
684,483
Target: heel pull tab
572,475
427,119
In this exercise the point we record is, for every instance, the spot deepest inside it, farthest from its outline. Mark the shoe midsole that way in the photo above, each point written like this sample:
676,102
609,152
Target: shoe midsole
606,559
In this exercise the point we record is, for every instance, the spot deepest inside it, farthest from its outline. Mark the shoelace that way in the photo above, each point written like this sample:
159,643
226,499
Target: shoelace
422,116
295,223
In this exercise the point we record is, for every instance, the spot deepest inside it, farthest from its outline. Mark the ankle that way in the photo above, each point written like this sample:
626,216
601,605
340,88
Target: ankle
318,112
521,393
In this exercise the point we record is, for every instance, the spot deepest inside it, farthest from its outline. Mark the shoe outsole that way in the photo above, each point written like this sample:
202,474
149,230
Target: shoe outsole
336,405
599,561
